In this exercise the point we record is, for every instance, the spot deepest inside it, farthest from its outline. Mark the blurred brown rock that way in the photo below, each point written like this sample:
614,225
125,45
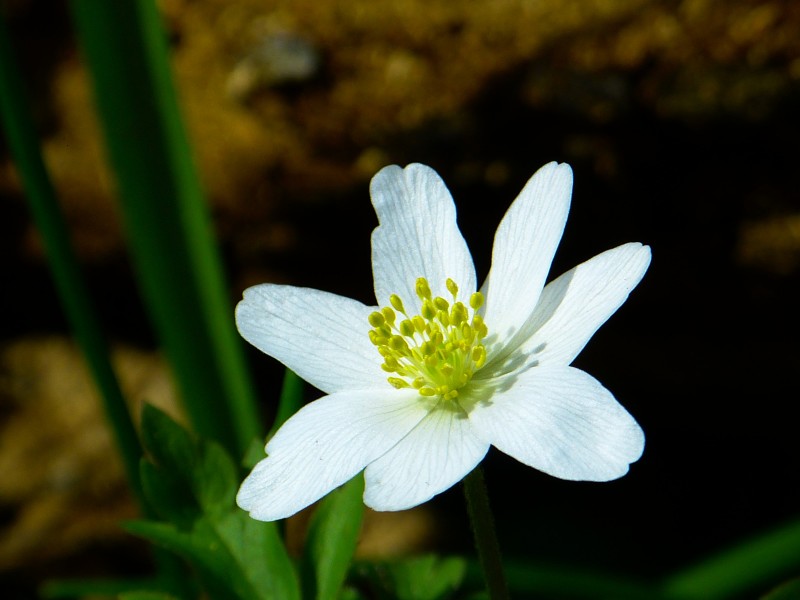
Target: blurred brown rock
360,73
60,475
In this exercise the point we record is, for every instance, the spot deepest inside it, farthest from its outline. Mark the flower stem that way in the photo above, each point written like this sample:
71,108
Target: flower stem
480,515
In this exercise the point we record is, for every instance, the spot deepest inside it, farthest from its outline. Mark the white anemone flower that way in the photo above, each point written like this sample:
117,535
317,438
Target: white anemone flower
420,386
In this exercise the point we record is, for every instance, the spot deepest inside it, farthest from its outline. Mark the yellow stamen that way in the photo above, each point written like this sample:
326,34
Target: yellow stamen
435,352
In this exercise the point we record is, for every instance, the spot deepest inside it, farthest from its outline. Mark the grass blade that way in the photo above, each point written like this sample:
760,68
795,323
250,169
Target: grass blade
290,402
24,144
332,538
167,223
759,562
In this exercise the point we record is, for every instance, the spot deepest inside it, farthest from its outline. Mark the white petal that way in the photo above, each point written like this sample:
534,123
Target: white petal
562,421
524,246
438,453
573,307
417,236
324,445
320,336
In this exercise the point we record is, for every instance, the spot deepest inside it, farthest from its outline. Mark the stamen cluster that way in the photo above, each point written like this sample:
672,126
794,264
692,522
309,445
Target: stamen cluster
435,352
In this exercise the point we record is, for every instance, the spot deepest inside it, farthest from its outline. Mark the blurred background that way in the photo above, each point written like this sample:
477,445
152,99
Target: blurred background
680,120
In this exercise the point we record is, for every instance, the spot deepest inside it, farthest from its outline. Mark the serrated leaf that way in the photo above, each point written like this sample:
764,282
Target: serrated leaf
427,577
186,467
169,444
259,550
349,593
209,555
80,588
194,485
146,596
332,538
169,497
267,561
214,478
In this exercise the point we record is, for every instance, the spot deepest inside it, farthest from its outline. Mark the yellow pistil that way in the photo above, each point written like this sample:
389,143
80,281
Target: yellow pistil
435,352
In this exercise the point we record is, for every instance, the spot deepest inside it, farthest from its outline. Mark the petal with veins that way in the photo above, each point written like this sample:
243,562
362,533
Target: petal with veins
524,246
562,421
320,336
573,307
324,445
434,456
417,236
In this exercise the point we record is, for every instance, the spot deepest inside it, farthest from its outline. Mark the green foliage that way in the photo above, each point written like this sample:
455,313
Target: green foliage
428,577
80,588
145,596
16,120
192,484
185,466
527,580
750,565
787,591
290,401
332,539
172,249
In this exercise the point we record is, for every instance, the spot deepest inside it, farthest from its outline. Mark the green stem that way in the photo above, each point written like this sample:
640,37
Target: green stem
169,230
480,515
23,142
290,402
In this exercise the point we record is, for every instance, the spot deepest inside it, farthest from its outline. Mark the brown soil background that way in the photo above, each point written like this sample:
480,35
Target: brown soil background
680,121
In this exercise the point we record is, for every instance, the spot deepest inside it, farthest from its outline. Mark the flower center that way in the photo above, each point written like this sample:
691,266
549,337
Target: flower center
435,352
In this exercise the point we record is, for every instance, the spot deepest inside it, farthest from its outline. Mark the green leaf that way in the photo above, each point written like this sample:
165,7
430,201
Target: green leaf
206,551
332,538
169,444
200,469
169,497
427,577
194,486
557,581
214,478
255,452
267,561
169,231
16,121
234,556
755,563
145,596
79,588
786,591
349,593
290,401
260,552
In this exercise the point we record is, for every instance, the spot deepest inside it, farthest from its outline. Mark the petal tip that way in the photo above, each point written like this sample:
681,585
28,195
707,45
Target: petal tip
644,254
393,174
556,170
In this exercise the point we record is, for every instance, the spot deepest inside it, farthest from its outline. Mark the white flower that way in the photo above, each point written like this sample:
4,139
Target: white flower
419,389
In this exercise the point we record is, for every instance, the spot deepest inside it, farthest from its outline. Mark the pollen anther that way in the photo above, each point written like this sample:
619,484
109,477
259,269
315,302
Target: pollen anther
435,352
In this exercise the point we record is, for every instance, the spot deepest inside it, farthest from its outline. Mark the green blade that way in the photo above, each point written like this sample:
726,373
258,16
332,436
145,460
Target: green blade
176,263
24,145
